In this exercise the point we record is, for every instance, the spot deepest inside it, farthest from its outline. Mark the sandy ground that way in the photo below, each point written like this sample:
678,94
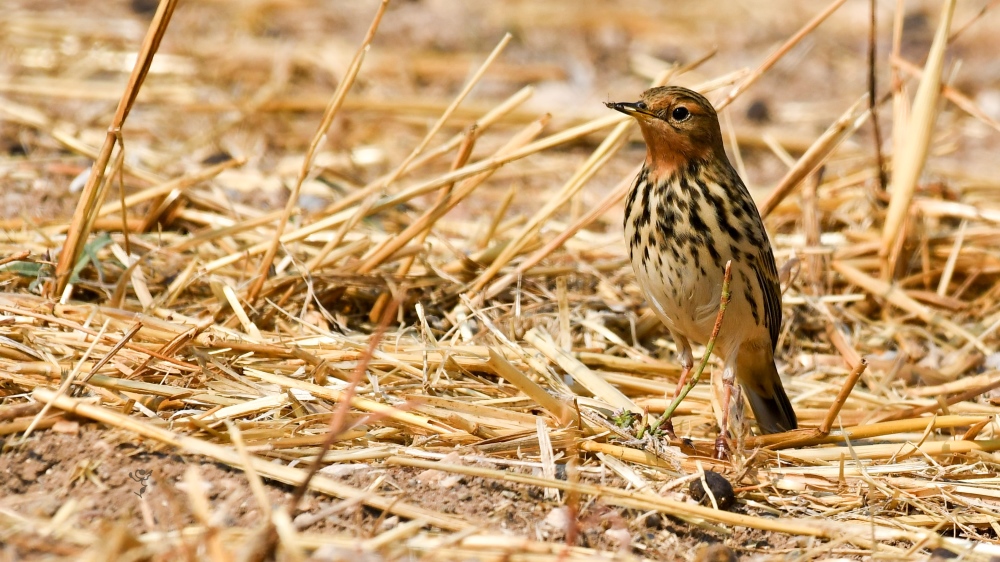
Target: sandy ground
66,61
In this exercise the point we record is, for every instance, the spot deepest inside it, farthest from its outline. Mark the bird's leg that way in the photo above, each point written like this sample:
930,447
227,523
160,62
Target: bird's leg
721,446
686,358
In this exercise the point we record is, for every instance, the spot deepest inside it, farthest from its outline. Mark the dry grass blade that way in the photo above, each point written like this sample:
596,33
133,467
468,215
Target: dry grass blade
588,379
338,422
232,458
610,199
838,403
812,24
557,409
807,437
422,224
894,450
404,292
407,194
909,160
899,298
177,185
90,198
597,159
951,94
819,151
328,115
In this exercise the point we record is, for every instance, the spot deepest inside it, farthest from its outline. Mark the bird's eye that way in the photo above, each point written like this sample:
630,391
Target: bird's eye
641,105
680,113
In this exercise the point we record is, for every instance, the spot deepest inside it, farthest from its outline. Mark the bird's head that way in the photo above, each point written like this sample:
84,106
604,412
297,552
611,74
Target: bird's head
679,125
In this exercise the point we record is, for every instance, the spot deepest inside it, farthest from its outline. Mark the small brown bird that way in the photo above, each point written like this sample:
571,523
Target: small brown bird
687,214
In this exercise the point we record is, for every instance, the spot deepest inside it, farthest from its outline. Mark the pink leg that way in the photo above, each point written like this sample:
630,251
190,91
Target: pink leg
686,358
728,379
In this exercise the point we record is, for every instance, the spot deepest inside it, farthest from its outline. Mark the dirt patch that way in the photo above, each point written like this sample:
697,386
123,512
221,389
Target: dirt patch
102,469
250,81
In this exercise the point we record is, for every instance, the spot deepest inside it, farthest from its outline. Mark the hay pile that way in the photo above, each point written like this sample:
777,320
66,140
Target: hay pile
409,300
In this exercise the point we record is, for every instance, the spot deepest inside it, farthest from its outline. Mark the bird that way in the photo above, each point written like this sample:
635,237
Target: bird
687,214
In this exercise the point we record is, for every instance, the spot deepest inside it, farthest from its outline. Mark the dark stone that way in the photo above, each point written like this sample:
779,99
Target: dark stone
721,489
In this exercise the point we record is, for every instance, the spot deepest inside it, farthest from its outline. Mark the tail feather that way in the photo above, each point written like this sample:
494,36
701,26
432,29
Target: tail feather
770,404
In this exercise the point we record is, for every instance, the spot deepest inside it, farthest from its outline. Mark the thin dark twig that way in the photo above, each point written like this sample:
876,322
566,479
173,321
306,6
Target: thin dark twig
872,100
23,254
337,424
958,32
113,351
267,540
845,391
960,397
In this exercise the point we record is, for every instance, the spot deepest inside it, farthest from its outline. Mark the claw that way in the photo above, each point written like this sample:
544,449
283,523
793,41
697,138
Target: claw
722,447
668,428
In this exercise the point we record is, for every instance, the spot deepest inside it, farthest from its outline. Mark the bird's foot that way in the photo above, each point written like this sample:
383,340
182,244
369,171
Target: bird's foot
668,428
721,447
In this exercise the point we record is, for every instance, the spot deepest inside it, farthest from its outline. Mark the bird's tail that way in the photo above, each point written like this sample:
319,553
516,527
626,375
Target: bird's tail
760,381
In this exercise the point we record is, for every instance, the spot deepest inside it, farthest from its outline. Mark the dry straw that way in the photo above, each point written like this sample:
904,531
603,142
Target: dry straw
247,336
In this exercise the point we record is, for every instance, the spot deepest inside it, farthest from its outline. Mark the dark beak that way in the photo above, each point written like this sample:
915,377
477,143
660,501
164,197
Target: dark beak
633,109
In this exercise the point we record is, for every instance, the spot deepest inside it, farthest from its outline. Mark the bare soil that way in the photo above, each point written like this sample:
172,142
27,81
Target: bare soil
577,54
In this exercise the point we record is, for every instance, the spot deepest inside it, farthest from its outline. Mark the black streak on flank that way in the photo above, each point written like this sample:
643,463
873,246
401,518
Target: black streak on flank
748,206
694,219
639,185
629,204
719,205
644,216
646,203
636,239
693,194
663,223
722,216
661,203
682,204
748,295
739,213
706,192
716,258
772,292
696,256
771,321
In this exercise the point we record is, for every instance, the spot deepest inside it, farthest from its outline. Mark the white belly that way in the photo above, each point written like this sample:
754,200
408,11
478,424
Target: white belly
685,302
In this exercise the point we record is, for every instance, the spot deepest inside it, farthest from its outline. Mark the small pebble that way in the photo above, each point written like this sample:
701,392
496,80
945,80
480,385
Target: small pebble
942,554
561,471
145,7
653,521
217,158
759,112
716,553
721,489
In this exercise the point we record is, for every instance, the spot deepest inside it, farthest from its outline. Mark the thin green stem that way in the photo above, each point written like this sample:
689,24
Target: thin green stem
693,380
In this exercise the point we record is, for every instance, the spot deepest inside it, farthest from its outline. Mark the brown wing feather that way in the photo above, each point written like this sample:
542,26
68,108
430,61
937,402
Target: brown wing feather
767,278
